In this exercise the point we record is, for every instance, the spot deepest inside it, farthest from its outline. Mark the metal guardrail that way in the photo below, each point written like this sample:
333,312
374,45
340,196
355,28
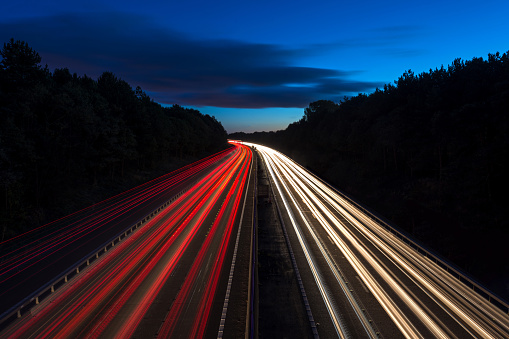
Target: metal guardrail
454,271
49,288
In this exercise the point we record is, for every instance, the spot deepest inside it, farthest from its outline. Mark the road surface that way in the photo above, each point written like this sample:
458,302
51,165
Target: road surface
362,280
167,279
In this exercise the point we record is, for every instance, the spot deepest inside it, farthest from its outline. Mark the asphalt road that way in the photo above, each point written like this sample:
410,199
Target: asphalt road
187,271
362,280
168,278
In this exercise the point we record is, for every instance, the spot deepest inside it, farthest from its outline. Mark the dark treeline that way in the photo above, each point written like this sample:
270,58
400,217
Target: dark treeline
61,133
429,153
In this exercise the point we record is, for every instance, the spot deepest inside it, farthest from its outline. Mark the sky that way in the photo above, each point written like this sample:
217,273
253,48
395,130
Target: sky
255,64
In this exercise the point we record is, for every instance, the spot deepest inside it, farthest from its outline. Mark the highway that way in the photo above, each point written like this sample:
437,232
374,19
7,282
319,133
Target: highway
361,279
175,275
168,278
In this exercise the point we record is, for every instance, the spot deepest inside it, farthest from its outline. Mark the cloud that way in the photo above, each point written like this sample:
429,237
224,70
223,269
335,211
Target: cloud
176,68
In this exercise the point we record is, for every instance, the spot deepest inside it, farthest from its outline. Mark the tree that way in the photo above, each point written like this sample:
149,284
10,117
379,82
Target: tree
61,132
20,63
318,109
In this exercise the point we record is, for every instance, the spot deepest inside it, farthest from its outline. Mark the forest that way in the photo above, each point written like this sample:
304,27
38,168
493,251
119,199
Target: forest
428,153
67,141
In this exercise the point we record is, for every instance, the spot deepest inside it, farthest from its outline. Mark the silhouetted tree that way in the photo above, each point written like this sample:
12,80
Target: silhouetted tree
61,132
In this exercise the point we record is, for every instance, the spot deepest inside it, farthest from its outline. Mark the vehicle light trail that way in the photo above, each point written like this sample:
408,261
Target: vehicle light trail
30,260
201,315
420,279
392,310
417,295
113,296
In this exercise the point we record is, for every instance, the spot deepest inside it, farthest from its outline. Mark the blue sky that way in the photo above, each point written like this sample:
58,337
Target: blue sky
256,64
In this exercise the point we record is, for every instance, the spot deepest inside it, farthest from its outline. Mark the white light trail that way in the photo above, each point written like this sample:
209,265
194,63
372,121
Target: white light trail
464,306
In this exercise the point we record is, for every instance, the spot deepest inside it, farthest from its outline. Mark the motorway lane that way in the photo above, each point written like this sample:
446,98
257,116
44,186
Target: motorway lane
33,259
369,280
175,260
193,304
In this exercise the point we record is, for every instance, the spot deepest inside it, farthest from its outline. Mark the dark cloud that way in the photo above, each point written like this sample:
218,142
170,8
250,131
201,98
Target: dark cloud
175,68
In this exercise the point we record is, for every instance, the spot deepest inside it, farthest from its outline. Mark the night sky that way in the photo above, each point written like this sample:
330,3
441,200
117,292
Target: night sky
255,65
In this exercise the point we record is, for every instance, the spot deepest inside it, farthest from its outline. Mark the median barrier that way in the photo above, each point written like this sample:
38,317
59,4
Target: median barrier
304,297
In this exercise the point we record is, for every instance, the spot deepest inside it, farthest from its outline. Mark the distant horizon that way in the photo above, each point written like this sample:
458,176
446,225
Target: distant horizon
256,66
289,113
301,110
285,115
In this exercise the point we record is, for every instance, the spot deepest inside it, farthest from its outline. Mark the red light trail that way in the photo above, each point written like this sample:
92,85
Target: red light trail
114,294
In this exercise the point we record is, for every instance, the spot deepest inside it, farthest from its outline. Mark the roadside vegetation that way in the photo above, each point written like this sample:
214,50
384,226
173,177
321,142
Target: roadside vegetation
68,141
